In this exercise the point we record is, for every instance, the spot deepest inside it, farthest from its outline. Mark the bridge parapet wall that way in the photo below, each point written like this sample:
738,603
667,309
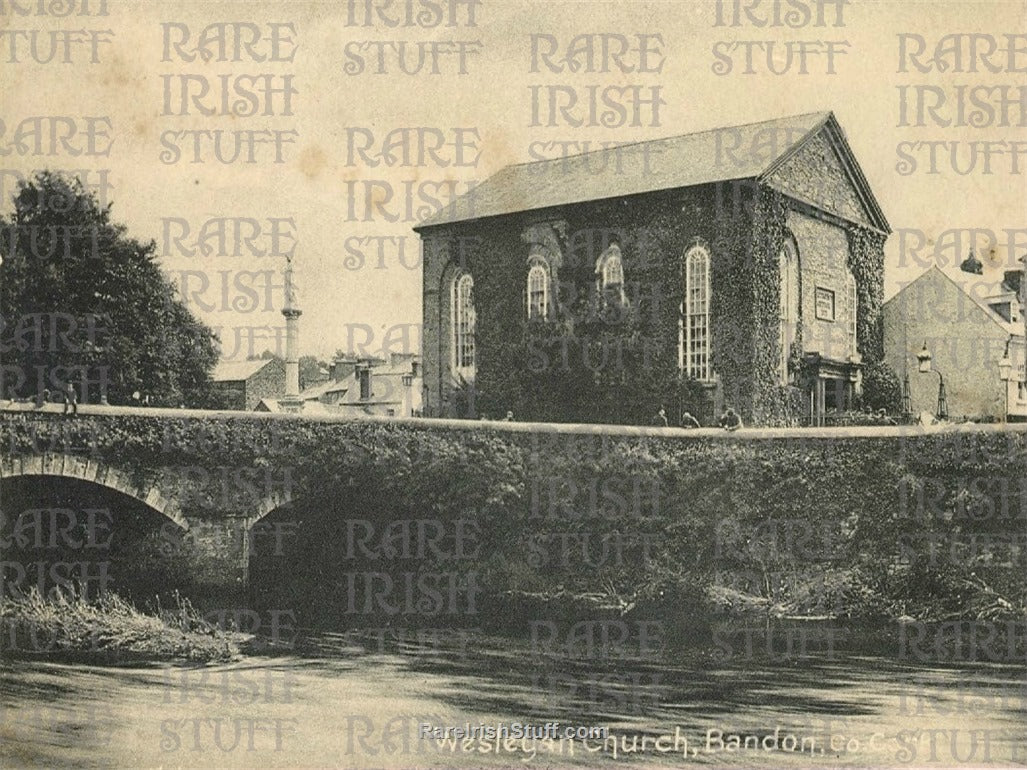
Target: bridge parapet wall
694,494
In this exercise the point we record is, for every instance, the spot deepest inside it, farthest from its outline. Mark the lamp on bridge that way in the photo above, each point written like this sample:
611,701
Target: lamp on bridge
924,360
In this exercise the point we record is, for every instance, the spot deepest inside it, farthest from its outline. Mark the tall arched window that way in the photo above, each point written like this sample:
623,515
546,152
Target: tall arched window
610,277
789,274
695,326
854,310
463,326
613,269
538,291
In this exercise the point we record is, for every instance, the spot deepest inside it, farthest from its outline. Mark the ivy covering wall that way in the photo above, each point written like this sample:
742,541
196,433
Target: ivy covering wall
866,261
588,361
591,360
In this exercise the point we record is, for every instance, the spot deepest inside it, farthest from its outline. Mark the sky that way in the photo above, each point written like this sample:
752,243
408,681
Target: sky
330,100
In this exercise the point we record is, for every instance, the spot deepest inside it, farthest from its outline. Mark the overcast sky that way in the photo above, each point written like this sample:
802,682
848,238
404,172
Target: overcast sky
493,98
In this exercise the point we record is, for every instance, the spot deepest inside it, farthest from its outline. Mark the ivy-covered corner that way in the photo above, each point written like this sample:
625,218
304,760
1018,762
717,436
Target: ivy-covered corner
866,261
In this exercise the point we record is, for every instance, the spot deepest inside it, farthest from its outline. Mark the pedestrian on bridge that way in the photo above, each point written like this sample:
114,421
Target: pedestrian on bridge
688,420
70,398
730,420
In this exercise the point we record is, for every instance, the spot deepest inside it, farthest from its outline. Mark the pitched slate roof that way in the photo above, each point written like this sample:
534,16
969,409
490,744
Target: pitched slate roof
236,371
751,151
315,392
386,388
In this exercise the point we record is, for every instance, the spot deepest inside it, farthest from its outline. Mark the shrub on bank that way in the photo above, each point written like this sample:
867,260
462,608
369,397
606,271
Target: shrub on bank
108,630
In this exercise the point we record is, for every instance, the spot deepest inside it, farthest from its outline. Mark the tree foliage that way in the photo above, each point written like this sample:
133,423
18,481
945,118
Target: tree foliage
881,388
83,302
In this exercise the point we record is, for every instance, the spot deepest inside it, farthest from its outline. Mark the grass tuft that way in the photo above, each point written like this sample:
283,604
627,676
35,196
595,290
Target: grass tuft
65,625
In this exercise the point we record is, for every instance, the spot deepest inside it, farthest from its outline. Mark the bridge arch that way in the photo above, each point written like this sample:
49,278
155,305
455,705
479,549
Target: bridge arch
86,468
272,501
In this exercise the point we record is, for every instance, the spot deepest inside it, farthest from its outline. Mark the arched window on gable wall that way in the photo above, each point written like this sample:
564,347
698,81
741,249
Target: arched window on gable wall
788,267
464,320
695,333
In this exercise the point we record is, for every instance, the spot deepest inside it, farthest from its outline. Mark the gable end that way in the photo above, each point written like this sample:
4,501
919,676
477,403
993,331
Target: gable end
822,172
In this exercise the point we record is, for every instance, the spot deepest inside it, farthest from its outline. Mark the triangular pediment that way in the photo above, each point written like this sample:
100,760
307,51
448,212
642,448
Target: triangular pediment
822,172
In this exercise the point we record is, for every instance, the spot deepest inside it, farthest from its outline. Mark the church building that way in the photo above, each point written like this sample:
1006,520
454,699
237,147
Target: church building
741,267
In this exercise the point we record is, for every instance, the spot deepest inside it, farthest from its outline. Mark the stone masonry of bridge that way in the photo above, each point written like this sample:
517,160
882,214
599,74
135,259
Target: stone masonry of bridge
215,475
209,507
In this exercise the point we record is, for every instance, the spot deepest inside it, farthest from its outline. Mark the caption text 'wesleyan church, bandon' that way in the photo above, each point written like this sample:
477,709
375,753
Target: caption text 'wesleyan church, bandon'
741,266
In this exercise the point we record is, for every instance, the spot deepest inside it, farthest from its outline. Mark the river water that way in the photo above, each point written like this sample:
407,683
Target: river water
349,704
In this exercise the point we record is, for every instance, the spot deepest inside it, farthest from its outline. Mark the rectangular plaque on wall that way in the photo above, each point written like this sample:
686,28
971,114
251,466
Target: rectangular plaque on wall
825,304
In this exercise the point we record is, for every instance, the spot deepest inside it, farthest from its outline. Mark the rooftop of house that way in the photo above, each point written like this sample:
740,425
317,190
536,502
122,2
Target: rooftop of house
752,150
397,368
315,392
966,287
238,371
386,388
396,362
348,359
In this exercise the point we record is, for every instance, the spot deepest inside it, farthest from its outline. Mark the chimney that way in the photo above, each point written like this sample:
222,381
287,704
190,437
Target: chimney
364,377
1011,280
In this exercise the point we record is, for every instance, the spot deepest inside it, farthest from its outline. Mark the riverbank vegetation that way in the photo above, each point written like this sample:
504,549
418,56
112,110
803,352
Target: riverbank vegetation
108,630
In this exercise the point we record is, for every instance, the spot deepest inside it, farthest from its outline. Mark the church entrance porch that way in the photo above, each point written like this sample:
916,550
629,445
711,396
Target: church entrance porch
832,385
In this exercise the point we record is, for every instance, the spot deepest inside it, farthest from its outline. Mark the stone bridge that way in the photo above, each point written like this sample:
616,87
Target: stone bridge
211,502
216,478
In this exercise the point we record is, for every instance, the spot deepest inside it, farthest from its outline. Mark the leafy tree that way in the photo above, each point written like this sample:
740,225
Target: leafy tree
881,388
310,370
85,303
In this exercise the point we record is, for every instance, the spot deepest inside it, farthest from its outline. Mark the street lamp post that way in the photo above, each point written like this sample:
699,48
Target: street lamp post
924,360
1005,373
